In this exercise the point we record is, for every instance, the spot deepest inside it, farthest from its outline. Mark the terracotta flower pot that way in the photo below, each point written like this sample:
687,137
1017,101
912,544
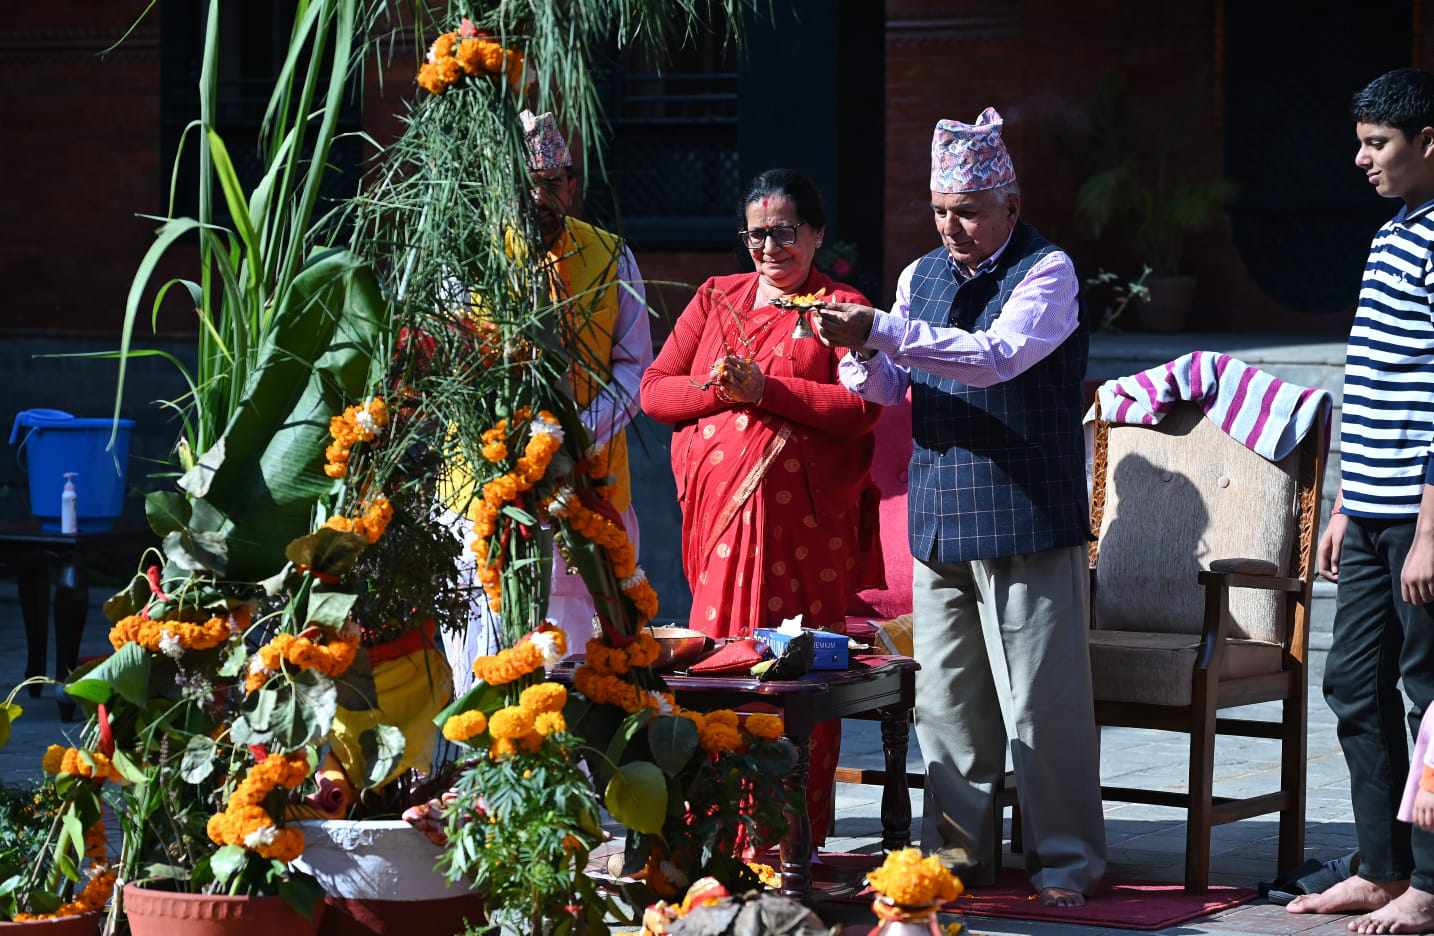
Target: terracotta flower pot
381,879
85,924
164,913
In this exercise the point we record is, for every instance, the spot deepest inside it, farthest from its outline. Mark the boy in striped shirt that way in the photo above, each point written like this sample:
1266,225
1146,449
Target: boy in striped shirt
1379,545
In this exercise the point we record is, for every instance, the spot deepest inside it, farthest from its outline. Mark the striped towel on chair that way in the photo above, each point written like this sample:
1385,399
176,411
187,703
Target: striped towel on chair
1260,411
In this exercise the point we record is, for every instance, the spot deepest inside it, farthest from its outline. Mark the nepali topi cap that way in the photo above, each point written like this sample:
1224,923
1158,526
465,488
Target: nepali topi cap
970,157
546,147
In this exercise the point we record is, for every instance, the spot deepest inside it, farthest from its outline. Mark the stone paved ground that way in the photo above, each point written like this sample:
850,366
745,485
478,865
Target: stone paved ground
1145,842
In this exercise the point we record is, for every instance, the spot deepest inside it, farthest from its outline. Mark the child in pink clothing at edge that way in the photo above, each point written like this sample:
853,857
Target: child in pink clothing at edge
1417,806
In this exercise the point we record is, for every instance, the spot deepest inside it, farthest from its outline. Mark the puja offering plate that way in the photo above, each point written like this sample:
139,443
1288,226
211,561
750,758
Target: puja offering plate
805,303
680,646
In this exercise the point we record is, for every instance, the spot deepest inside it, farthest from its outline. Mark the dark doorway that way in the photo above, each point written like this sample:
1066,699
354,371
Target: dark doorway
1305,215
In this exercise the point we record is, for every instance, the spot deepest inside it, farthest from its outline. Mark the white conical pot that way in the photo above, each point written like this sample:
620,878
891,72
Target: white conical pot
374,860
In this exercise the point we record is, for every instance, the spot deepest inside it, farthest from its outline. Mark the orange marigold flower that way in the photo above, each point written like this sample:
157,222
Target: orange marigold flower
53,759
550,723
543,698
464,726
717,738
511,723
766,727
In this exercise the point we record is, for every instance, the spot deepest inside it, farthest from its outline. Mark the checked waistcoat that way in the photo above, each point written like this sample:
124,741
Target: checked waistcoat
998,471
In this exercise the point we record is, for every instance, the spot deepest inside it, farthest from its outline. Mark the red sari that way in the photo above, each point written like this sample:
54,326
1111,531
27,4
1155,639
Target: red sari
775,523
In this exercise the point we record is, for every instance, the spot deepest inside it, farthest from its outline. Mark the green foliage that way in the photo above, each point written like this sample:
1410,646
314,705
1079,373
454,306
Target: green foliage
1142,187
30,825
520,830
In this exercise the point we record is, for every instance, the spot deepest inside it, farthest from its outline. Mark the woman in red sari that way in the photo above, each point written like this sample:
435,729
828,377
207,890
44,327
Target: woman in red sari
771,455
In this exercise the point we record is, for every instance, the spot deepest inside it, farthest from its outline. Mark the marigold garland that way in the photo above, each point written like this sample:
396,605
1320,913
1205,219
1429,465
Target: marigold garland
91,899
246,823
371,523
545,439
77,763
172,638
360,423
614,541
545,646
332,658
909,880
599,680
464,52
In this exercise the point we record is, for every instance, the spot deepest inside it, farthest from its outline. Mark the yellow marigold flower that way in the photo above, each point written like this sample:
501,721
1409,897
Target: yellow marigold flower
550,723
501,748
544,697
766,727
909,880
465,725
510,723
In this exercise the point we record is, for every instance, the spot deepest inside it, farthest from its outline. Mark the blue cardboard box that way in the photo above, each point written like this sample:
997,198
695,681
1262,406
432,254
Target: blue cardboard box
830,650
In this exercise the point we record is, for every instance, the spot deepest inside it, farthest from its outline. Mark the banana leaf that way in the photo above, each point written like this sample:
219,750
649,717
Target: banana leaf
266,470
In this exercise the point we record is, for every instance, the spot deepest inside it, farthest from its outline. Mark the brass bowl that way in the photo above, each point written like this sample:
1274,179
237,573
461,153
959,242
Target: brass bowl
680,646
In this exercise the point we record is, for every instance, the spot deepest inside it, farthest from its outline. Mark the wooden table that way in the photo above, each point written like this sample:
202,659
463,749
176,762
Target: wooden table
880,687
32,553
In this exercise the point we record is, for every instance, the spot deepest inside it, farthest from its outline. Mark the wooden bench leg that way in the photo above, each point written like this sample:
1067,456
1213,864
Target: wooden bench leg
72,605
896,791
34,582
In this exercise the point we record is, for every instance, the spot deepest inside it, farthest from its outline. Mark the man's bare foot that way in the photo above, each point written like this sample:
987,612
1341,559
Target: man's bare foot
1352,895
1060,897
1410,912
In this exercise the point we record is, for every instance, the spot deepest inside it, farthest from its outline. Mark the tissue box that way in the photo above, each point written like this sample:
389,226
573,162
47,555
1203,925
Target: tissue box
830,650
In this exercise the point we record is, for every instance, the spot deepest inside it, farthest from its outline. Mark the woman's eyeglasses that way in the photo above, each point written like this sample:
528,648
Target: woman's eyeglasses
785,235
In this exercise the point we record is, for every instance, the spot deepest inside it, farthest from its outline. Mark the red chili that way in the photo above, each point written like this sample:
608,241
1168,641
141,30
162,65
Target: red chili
107,737
152,573
260,752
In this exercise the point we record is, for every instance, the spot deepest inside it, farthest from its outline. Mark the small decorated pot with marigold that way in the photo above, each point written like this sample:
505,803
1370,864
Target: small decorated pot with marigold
911,890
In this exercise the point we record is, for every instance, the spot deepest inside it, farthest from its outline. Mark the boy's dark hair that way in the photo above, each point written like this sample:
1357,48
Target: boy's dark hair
787,183
1403,98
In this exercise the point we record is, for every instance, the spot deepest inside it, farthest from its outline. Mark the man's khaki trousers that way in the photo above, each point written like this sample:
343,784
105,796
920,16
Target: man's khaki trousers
1005,658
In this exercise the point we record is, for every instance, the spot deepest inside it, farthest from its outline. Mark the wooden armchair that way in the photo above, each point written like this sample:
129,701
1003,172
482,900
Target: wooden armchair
1201,580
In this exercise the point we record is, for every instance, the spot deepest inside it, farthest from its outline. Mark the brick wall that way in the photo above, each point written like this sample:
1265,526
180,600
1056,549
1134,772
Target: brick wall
80,158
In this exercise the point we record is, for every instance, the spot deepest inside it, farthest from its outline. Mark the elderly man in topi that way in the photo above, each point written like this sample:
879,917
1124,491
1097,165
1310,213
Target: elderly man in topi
988,334
610,335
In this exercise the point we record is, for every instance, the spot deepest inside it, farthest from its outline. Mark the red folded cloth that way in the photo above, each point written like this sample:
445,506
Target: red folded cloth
737,657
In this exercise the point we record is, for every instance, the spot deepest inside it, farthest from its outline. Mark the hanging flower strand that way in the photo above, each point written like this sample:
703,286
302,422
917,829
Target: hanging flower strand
545,439
360,423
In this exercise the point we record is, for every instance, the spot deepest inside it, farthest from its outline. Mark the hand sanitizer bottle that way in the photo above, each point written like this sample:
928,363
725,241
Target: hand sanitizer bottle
69,511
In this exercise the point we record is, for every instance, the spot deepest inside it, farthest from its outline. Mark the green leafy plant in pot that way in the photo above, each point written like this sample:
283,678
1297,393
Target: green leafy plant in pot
1144,194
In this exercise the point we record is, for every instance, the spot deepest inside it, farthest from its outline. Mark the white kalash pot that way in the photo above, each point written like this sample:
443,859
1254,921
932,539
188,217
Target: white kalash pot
381,878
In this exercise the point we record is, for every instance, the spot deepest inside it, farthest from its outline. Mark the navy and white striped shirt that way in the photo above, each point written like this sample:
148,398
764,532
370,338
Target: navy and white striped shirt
1388,420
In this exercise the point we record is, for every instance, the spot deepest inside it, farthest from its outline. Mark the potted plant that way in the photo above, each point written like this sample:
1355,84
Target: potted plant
1143,192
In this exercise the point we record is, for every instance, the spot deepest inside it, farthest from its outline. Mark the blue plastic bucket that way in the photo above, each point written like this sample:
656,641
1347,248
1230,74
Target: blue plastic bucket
51,443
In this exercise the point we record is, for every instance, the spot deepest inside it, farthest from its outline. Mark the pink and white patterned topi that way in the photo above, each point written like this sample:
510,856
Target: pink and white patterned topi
970,157
546,147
